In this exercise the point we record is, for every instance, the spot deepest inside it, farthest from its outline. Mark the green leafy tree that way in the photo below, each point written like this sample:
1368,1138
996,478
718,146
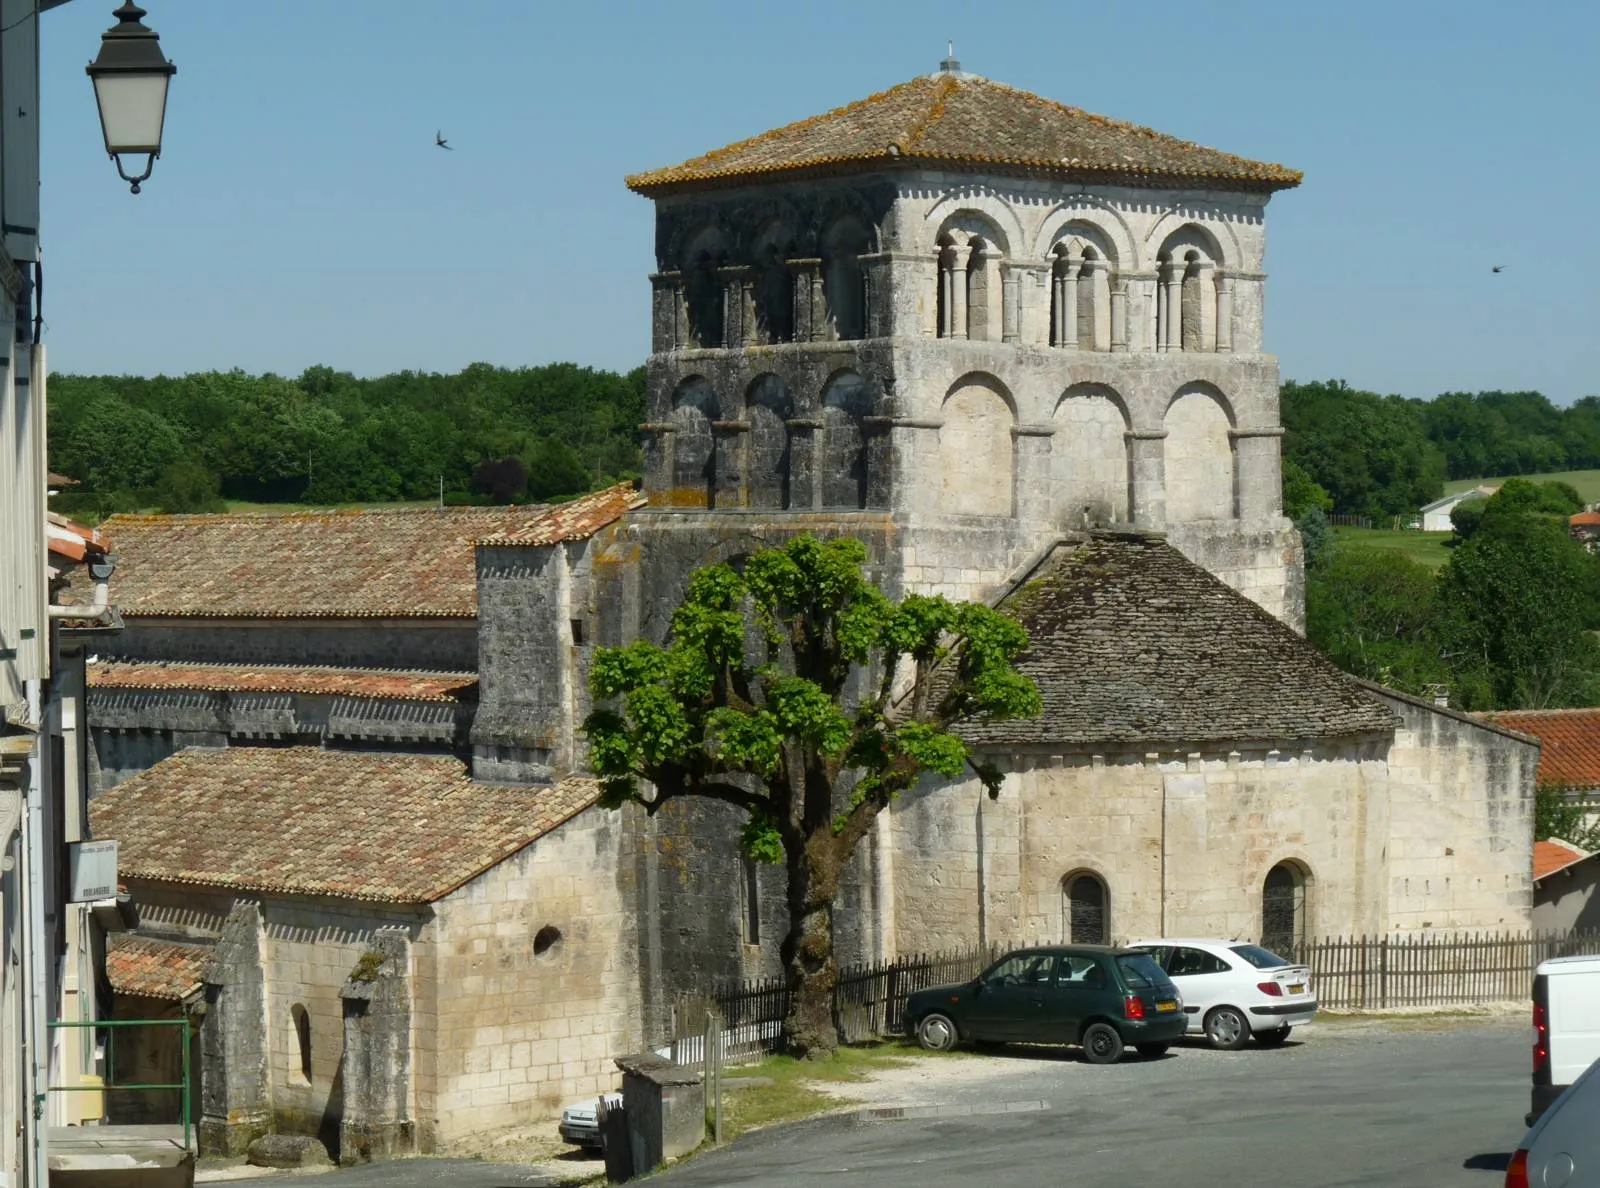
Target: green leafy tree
1302,494
1317,538
798,692
1372,612
1556,815
1369,452
1518,600
188,487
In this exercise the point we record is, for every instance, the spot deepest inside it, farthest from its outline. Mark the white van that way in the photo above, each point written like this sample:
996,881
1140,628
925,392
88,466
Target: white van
1566,1026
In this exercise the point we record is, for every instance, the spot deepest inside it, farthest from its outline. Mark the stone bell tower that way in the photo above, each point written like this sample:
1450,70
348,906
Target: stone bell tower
960,320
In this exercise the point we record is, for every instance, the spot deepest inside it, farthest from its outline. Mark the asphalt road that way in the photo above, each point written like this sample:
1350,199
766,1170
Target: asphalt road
1436,1104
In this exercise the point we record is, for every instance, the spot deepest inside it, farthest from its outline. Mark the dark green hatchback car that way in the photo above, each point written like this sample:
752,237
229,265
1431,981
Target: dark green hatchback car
1101,998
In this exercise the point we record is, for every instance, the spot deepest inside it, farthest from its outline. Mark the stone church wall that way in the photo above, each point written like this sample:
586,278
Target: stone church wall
434,645
1182,843
1461,825
538,985
308,947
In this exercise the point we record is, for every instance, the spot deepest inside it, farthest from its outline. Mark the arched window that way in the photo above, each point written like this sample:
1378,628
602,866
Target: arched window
1089,460
977,451
843,474
774,288
694,447
1198,459
704,301
302,1035
768,409
1186,306
844,285
1283,909
1085,910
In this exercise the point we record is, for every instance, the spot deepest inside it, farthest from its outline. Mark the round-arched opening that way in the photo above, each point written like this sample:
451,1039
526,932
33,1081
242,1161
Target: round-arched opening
1284,909
302,1034
546,940
1085,909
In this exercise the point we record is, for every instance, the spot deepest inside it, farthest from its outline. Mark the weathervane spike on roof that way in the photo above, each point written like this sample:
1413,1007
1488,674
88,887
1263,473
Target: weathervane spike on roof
950,65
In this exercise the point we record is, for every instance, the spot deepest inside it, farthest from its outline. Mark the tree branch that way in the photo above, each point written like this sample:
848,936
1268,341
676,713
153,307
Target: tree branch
678,785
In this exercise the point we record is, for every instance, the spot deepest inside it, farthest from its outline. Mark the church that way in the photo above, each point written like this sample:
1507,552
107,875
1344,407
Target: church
1014,347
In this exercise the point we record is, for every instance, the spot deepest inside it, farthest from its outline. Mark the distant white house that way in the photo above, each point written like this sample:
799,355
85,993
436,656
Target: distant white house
1436,515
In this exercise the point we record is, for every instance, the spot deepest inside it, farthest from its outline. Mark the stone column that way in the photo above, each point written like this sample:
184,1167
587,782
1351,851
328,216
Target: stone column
730,454
1119,314
805,486
1147,473
807,274
738,305
1205,334
1224,312
235,1090
666,304
1092,271
1171,307
1010,302
376,1122
960,258
1068,304
657,449
1258,473
1034,494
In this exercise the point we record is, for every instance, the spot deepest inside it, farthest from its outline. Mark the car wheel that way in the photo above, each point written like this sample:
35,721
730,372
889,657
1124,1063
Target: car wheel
1227,1029
1101,1044
1272,1039
1152,1051
937,1032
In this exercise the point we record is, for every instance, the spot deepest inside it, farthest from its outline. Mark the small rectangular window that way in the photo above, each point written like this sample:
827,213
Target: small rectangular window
577,631
752,902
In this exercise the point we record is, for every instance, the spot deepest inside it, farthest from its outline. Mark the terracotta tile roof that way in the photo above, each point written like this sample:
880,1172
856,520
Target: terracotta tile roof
379,563
1585,519
393,828
1132,643
577,520
1552,856
379,684
944,119
1570,743
73,541
142,967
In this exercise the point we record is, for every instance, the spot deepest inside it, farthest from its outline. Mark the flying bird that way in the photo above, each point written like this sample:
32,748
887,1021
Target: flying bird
1498,268
438,139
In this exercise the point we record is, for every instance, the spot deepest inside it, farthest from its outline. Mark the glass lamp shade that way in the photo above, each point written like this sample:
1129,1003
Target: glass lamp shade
133,106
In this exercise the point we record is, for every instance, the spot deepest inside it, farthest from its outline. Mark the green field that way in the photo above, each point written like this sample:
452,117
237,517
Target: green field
1426,547
1585,482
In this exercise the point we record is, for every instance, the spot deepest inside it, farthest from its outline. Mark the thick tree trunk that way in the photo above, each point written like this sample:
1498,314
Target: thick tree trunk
808,948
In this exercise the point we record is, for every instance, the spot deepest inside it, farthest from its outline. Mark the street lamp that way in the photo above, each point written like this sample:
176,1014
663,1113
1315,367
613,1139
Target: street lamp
130,86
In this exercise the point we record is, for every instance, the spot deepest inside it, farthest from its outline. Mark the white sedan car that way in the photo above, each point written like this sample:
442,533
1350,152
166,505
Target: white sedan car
1233,991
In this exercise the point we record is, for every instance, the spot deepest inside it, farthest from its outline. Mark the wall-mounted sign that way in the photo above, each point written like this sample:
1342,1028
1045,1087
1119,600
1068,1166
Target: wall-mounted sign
93,868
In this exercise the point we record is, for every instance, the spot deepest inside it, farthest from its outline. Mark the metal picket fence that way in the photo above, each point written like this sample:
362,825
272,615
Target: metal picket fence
1347,973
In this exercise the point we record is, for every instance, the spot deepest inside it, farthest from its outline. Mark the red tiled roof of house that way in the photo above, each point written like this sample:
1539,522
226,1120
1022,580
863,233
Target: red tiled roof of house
1552,856
577,520
1570,742
140,967
352,563
944,120
73,541
377,684
392,828
1585,519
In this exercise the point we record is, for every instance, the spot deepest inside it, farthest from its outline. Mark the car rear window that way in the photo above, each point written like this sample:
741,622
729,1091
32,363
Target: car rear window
1261,958
1140,971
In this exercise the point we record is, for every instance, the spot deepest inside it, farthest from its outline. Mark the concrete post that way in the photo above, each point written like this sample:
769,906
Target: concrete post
1119,315
1224,312
960,261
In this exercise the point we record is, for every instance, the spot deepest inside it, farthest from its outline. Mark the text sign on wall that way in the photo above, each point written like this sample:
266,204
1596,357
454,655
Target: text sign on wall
93,867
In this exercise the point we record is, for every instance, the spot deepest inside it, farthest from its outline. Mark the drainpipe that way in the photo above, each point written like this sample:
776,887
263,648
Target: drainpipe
99,609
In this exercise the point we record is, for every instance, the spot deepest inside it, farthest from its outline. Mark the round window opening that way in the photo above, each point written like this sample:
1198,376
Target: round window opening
546,939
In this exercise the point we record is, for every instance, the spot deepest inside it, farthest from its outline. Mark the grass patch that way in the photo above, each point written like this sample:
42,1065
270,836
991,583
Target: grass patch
1585,482
796,1092
1426,547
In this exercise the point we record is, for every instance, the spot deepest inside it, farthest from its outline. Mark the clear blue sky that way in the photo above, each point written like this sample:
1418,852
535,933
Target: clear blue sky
302,215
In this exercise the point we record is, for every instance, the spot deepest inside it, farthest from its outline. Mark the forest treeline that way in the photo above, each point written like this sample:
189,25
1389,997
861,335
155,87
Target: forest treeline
1384,456
188,443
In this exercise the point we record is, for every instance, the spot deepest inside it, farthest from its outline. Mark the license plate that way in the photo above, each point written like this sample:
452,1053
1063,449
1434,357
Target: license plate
1166,1007
1297,988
